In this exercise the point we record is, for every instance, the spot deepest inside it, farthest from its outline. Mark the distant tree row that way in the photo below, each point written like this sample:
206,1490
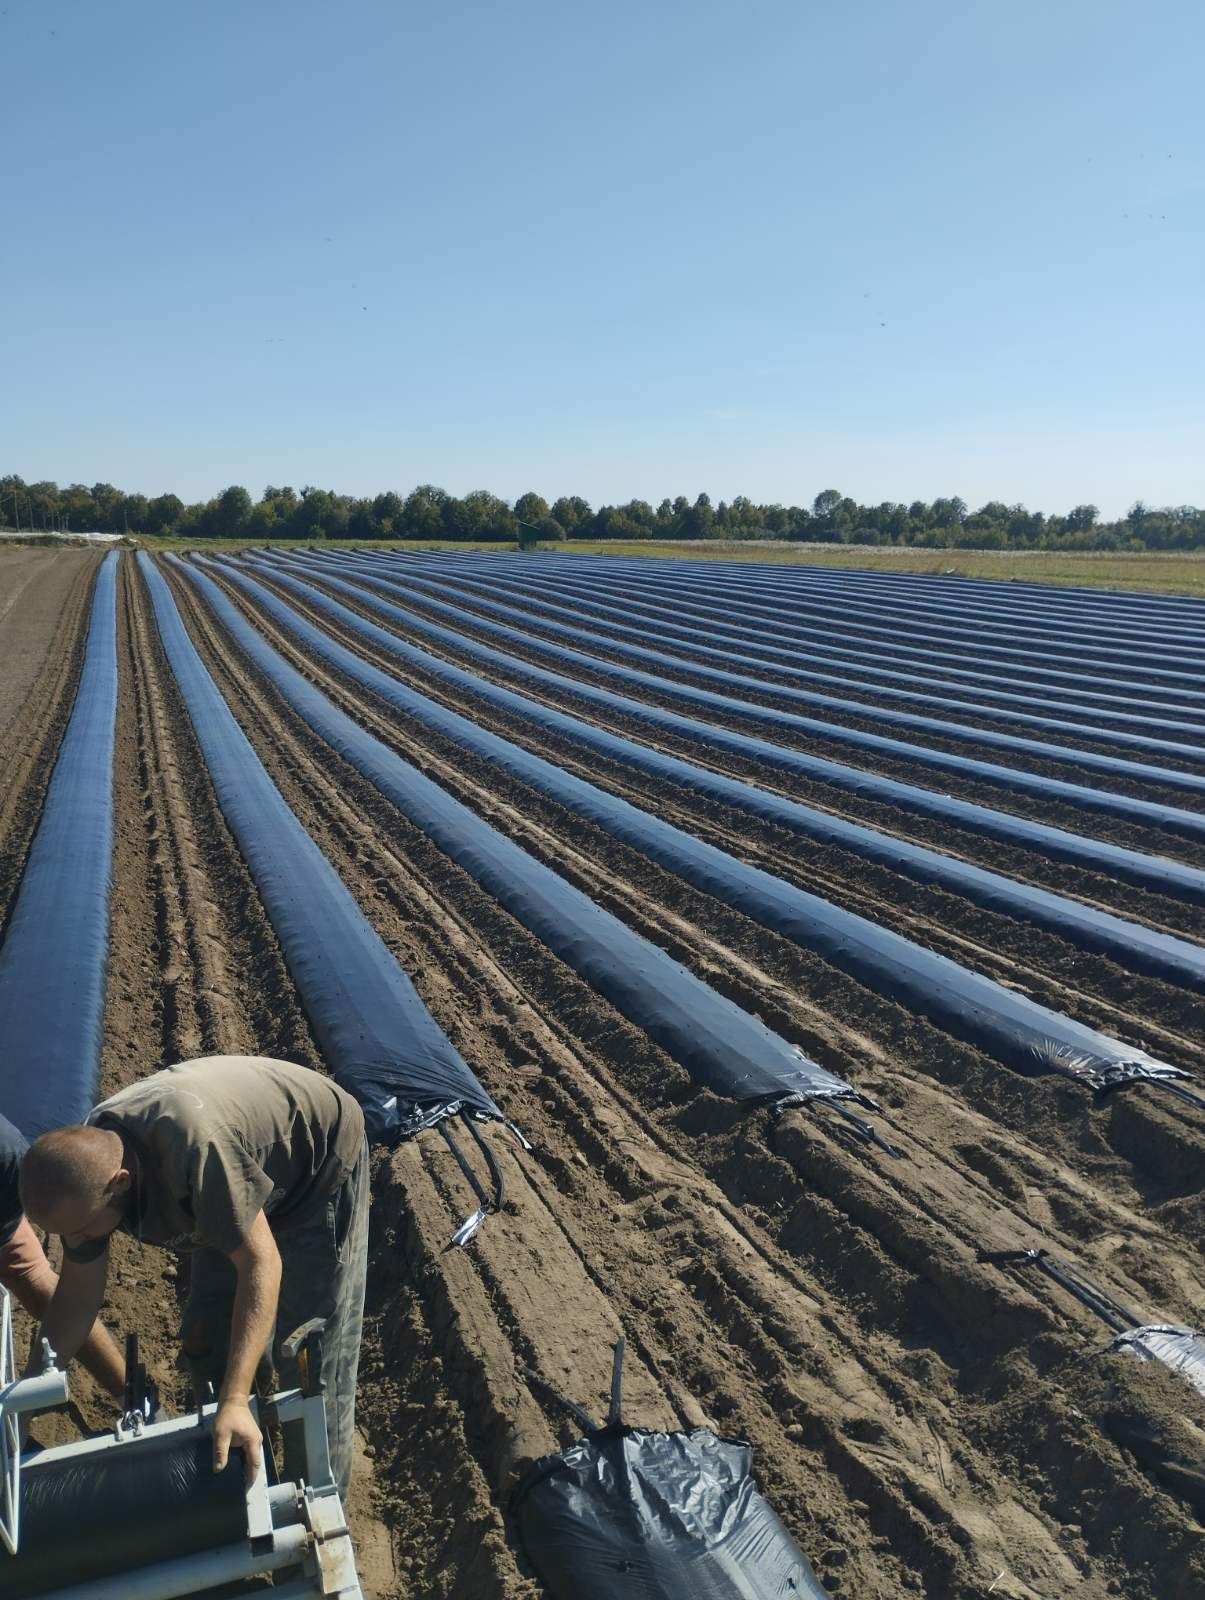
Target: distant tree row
431,513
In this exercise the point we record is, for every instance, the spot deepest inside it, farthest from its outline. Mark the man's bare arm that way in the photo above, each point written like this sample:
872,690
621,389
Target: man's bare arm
71,1314
25,1270
257,1265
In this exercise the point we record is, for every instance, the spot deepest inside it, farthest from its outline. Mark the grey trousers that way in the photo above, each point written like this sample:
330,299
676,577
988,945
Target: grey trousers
324,1261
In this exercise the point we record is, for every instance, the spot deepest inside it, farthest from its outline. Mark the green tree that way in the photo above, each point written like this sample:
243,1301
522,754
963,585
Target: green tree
230,512
617,522
699,520
79,509
423,513
573,513
310,519
530,507
133,510
263,523
949,513
801,524
387,515
106,513
362,522
480,515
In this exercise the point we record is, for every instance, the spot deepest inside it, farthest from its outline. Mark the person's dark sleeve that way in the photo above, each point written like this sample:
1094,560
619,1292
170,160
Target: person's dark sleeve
13,1146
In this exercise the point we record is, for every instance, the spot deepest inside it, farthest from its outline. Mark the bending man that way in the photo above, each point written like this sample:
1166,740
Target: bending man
257,1167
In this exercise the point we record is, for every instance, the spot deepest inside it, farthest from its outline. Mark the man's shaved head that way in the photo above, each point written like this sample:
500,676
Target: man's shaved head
70,1175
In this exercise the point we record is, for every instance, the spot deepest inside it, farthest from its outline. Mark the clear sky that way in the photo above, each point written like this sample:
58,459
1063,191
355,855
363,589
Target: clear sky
901,248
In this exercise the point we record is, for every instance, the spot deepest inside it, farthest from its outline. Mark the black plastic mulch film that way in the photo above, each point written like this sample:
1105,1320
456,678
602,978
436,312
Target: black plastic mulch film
1081,796
731,617
151,1501
797,638
633,1513
51,1008
1159,669
702,643
719,1044
1159,873
794,587
378,1038
1142,949
661,661
1014,1029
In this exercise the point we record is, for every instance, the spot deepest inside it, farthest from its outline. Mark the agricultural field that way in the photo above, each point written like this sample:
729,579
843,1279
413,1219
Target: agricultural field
820,931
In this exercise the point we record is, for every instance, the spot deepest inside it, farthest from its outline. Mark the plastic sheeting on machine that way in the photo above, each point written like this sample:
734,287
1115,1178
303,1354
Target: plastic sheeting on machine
51,1009
1091,760
1133,866
701,643
129,1508
717,1043
379,1039
1143,949
1151,813
1181,1349
1011,1027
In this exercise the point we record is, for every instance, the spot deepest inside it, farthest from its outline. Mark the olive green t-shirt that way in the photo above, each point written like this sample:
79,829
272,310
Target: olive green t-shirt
214,1142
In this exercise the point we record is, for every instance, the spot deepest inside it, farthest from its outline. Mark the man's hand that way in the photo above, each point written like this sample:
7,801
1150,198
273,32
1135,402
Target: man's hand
235,1427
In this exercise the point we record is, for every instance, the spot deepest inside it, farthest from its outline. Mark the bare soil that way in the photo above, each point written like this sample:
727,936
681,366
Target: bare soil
926,1425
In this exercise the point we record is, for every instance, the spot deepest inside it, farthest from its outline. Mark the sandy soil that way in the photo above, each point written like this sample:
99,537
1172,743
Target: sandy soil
925,1425
35,589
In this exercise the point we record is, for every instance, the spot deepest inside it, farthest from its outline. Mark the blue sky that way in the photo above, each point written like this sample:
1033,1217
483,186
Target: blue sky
900,249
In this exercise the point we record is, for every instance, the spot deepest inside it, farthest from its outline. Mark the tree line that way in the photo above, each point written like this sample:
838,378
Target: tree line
431,513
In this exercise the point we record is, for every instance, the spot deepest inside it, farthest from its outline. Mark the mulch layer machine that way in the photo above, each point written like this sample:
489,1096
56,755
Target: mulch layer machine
138,1513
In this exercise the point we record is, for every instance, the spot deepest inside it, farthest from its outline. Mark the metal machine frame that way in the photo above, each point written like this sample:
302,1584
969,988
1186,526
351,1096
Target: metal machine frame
296,1529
